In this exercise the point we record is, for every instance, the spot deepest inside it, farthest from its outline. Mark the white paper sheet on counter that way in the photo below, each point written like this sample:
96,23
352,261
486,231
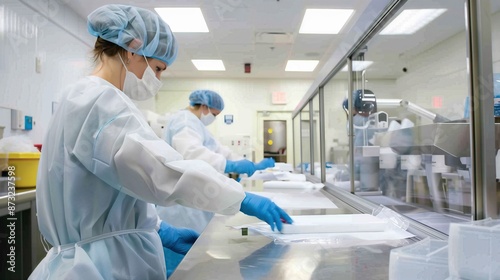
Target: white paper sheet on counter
341,223
389,234
347,239
291,185
303,200
269,175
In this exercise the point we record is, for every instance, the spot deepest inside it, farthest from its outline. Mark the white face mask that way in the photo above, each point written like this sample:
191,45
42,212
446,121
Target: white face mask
208,118
141,89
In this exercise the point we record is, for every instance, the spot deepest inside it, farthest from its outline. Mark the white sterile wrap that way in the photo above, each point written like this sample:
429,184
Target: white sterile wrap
291,185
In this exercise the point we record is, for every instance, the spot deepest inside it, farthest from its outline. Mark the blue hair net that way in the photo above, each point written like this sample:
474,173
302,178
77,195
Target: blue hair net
207,97
137,30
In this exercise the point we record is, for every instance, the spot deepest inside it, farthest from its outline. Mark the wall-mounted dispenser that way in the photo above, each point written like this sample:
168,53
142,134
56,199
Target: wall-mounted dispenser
28,122
17,119
20,121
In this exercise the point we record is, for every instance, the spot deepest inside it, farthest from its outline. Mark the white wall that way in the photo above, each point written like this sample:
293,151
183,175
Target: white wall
440,71
243,98
59,38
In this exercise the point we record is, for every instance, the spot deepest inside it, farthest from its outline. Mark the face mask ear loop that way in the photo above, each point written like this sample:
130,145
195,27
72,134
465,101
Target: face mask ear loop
120,56
147,63
209,111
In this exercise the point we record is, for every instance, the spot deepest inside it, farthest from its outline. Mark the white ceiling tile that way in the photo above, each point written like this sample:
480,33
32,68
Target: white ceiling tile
234,36
236,48
234,23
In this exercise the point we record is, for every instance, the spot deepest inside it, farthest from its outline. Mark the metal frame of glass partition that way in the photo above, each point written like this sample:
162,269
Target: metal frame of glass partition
479,63
322,137
300,145
479,52
311,137
350,88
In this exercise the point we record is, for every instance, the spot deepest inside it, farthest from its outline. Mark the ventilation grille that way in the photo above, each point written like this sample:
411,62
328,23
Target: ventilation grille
273,38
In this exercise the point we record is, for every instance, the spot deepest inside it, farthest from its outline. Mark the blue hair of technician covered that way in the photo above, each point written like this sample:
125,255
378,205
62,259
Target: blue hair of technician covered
137,30
206,97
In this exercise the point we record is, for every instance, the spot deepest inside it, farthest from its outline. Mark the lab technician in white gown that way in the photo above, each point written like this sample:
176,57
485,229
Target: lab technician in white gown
365,103
102,167
365,168
186,132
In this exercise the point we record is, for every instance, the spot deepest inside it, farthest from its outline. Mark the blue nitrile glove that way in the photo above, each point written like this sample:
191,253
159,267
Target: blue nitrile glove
264,209
265,163
178,240
240,167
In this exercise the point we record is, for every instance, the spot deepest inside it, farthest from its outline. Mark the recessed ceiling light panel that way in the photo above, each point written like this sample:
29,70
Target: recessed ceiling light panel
183,19
209,64
324,21
301,65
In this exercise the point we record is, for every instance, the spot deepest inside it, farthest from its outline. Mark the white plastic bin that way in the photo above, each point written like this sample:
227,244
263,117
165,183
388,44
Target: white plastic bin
475,250
423,260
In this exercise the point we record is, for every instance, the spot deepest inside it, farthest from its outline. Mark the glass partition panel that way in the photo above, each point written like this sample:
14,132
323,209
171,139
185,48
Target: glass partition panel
336,139
305,139
412,147
316,139
366,159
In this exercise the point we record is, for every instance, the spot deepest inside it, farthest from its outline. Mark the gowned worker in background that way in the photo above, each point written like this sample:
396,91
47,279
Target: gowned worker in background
365,103
365,168
102,167
186,132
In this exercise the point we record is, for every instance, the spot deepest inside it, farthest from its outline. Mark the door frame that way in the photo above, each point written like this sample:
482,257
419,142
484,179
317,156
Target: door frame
273,116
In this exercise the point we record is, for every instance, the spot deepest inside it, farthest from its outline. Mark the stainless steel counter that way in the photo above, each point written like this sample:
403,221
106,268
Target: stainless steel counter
222,252
23,199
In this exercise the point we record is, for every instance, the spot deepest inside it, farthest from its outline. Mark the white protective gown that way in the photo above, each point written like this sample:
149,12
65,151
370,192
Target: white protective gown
190,137
101,168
